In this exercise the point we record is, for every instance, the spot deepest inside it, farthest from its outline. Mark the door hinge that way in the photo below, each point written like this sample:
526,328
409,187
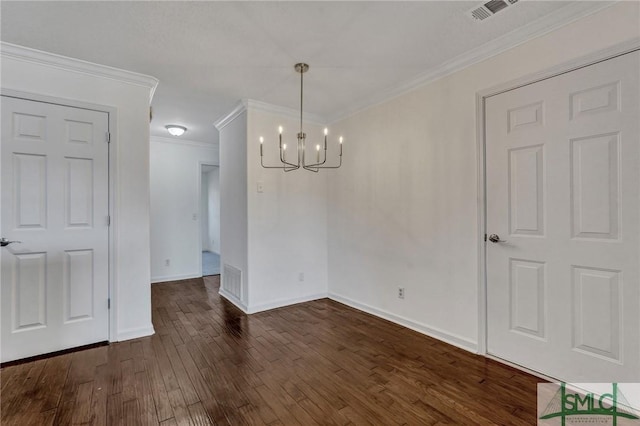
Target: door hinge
109,224
109,303
108,135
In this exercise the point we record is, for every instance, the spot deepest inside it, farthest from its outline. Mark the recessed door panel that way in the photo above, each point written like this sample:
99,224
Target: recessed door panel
79,192
594,186
595,100
527,297
30,291
79,132
78,284
597,311
29,127
526,190
523,118
30,190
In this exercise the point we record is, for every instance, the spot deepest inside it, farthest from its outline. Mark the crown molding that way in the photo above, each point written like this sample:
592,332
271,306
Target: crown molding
566,15
246,104
291,113
52,60
186,142
223,121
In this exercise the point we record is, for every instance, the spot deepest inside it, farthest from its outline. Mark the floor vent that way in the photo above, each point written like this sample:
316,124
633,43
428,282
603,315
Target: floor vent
232,281
487,10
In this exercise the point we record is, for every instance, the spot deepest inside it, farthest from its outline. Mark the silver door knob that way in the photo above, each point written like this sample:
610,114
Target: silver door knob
4,242
495,238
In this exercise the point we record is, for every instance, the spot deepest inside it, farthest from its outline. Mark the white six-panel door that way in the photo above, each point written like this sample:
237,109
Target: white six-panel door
563,190
55,284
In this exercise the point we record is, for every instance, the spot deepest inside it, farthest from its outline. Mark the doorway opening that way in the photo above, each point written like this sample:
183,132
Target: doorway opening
210,219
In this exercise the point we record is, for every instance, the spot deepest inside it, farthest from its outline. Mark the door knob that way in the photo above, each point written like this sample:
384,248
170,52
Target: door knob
4,242
495,238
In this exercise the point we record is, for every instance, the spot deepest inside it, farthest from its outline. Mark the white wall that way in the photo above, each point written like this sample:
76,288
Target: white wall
403,210
287,222
233,202
175,206
278,234
131,216
213,209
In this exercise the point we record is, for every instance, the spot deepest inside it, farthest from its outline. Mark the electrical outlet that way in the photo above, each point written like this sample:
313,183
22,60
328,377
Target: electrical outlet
400,292
167,262
301,276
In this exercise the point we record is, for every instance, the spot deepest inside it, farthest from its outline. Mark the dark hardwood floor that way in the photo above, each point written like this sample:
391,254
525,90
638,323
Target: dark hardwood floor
313,363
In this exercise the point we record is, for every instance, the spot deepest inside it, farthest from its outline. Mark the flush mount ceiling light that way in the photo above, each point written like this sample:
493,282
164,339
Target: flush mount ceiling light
301,150
175,130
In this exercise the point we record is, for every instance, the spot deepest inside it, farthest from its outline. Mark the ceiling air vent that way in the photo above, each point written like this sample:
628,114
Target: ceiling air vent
489,9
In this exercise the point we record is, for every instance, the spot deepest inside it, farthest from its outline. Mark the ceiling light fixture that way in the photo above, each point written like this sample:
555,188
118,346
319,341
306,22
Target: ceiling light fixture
301,150
175,130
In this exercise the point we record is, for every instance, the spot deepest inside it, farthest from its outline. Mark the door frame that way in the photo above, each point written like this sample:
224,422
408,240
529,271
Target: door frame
112,117
481,96
201,165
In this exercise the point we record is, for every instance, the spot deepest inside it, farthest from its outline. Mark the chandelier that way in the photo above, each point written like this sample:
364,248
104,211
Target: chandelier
300,154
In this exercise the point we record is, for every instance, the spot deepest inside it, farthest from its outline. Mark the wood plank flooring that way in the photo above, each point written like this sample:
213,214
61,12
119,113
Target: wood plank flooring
316,363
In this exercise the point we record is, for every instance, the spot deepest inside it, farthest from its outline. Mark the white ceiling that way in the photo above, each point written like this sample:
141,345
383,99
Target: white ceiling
209,55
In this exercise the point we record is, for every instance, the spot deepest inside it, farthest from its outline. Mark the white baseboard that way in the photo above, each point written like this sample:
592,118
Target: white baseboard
444,336
165,278
231,298
134,333
285,302
270,305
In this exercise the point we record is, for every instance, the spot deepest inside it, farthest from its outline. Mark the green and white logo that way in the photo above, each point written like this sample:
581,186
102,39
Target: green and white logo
588,403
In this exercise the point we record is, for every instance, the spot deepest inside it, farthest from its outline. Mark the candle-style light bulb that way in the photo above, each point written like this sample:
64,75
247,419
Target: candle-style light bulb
280,129
284,146
341,140
261,139
326,131
317,147
318,153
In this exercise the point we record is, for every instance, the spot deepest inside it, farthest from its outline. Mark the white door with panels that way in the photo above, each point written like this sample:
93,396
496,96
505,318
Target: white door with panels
55,282
563,205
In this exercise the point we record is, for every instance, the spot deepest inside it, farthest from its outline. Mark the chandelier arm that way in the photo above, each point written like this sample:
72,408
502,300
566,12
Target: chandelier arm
331,167
317,164
286,163
276,167
282,159
286,166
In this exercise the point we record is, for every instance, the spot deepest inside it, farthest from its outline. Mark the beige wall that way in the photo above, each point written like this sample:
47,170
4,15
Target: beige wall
403,210
288,220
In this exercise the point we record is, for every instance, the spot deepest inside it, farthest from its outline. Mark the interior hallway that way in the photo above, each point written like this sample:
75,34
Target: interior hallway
210,263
